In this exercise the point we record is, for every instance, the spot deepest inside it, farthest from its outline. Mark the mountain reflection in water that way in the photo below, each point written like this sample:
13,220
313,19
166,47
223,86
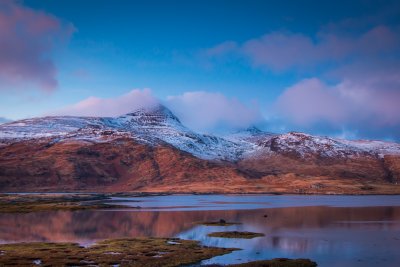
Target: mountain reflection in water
332,236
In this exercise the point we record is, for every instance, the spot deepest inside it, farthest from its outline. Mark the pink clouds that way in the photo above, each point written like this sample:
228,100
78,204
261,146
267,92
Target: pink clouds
27,38
282,51
204,111
311,101
110,107
348,103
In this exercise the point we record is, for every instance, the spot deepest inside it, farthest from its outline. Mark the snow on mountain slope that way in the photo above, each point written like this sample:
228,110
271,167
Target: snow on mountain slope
305,145
63,127
158,125
47,127
380,148
152,125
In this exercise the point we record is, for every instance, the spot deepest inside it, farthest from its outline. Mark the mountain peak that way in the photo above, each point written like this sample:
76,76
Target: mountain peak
253,130
156,114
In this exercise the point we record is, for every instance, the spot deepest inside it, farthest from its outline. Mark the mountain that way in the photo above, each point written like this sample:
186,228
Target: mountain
150,150
153,126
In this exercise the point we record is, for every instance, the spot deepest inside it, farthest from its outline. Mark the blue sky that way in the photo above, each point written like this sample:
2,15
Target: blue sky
324,67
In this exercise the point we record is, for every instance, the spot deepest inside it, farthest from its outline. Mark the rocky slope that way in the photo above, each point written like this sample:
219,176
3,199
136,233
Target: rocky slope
150,150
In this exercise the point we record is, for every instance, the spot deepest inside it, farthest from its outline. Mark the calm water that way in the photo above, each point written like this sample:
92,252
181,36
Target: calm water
331,230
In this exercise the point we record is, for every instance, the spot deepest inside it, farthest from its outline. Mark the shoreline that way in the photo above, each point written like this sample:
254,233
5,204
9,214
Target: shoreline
146,194
55,201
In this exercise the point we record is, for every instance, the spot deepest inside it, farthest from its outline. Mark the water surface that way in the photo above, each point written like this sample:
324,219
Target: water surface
331,230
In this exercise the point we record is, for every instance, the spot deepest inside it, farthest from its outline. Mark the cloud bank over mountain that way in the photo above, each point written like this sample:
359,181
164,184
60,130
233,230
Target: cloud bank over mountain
360,108
200,111
204,111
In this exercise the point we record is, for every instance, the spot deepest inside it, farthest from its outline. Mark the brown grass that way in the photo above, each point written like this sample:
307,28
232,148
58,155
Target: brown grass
146,252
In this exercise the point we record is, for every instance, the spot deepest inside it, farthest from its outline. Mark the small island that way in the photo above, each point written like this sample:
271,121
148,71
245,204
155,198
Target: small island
235,234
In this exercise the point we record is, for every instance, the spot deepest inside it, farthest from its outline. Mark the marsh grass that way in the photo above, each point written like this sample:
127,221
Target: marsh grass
146,252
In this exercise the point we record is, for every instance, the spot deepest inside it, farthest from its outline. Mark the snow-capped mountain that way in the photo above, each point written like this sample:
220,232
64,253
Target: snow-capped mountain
305,145
152,125
156,125
150,150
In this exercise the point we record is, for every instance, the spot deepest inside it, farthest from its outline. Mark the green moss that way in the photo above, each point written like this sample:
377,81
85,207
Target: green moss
235,234
144,252
281,262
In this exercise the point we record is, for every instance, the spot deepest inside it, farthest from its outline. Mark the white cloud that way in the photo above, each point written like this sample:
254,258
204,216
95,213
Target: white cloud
369,107
311,101
204,111
200,111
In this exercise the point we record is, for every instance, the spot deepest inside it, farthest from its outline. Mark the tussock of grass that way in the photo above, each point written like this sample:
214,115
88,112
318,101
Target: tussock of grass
146,252
235,234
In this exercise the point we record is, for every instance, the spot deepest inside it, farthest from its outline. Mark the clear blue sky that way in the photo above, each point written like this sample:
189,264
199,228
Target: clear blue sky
300,64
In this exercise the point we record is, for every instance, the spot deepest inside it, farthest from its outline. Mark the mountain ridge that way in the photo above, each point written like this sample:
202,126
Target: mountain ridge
144,123
149,150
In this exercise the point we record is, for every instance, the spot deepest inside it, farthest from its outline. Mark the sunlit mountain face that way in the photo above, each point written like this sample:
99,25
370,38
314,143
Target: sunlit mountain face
149,149
152,99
